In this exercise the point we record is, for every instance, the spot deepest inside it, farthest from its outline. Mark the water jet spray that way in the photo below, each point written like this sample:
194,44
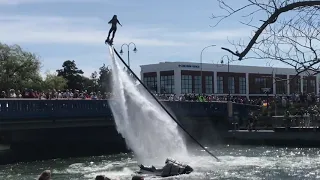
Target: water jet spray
162,106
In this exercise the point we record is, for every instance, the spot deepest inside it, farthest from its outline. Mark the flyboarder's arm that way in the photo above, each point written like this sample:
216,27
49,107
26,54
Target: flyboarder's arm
119,23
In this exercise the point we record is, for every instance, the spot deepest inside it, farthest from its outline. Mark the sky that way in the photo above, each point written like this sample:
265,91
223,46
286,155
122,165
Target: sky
166,30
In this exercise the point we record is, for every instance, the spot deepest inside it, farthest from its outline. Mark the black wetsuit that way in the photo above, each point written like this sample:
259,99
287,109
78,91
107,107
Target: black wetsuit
170,169
113,28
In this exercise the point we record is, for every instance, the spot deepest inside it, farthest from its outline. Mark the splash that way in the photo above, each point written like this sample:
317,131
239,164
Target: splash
148,130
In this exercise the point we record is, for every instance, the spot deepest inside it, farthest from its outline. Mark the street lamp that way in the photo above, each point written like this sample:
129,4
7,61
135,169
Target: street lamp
201,64
228,74
229,103
267,91
128,46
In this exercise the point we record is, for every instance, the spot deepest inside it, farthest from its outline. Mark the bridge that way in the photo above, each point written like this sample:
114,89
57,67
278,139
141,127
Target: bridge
37,114
57,128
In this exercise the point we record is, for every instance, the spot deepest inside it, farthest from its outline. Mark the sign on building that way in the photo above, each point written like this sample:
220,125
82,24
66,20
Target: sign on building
188,66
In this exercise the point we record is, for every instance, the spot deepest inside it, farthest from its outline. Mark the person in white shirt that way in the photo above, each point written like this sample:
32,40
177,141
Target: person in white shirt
12,93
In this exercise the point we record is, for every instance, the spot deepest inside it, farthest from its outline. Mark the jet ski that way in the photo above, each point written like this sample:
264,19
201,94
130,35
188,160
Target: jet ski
171,168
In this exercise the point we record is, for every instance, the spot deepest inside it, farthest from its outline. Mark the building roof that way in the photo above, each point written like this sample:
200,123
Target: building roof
195,66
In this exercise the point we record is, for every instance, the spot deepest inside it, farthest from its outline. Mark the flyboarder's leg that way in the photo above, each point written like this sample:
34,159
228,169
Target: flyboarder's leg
113,33
107,40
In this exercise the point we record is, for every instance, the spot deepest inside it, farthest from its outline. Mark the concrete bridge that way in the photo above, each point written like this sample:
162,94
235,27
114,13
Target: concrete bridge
39,129
37,114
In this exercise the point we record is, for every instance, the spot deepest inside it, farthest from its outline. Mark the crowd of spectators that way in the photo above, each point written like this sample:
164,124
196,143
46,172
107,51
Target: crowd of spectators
76,94
309,98
192,97
208,98
54,94
294,98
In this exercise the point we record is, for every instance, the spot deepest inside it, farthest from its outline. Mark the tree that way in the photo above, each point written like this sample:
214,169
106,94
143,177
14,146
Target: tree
72,74
105,79
292,39
52,81
87,84
94,79
19,69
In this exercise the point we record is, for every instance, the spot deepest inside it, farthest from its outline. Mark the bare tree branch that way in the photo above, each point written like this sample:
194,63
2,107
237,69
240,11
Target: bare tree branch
293,39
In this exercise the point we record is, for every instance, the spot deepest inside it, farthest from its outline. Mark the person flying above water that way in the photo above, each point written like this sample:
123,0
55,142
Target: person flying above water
114,21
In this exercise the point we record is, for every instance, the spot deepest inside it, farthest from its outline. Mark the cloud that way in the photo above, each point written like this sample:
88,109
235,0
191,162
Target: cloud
85,30
19,2
93,31
219,34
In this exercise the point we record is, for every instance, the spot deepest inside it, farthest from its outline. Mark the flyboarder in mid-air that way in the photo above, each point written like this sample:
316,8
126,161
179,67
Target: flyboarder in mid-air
114,21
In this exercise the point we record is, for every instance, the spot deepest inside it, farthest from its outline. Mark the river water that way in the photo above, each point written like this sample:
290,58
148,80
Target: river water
237,162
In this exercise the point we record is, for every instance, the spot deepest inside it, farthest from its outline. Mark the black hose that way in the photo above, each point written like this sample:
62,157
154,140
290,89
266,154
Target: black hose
194,139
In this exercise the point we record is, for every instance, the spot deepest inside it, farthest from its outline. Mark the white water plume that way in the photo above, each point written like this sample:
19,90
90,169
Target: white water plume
148,130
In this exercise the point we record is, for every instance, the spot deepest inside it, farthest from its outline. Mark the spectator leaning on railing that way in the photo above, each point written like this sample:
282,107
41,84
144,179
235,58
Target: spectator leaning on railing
54,94
191,97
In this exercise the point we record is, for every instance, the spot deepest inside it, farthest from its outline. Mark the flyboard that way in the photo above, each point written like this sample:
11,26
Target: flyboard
110,42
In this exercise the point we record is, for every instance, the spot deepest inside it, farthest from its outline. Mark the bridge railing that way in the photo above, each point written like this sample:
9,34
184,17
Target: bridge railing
299,121
25,109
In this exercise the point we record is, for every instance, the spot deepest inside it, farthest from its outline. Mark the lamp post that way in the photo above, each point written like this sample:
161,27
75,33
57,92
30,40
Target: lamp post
201,64
229,103
267,91
228,76
128,46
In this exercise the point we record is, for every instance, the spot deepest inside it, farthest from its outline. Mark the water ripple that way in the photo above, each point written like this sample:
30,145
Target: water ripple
236,163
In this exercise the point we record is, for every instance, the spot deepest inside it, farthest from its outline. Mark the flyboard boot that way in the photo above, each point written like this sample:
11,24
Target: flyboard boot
110,42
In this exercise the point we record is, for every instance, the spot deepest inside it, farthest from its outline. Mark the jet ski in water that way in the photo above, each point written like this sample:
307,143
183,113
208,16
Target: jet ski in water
171,168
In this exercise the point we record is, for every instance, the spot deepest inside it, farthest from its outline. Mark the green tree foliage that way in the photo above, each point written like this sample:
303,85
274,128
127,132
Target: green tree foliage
75,80
88,84
94,81
105,79
18,68
72,74
52,81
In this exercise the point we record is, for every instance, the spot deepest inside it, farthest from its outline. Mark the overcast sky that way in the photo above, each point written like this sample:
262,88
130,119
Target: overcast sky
166,30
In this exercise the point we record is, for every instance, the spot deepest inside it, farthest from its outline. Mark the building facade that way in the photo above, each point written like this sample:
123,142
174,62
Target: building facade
187,77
